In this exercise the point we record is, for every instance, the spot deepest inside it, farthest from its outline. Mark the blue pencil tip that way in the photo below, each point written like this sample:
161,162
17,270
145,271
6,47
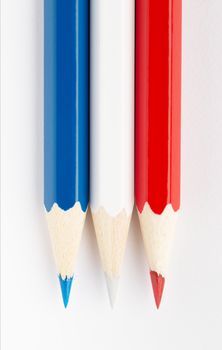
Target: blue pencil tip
65,285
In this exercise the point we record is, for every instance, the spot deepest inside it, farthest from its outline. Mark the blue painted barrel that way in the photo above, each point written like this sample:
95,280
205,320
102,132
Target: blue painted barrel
66,103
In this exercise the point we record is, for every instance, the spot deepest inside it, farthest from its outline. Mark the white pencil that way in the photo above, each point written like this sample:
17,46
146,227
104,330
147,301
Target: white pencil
112,130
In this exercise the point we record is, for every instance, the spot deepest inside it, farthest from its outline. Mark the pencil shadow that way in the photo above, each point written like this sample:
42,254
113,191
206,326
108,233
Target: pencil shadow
46,252
38,125
136,266
93,251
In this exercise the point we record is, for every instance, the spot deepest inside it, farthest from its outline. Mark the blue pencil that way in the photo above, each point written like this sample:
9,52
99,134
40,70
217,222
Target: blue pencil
66,130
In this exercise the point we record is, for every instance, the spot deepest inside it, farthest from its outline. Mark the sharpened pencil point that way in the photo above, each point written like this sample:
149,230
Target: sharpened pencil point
65,285
158,282
112,286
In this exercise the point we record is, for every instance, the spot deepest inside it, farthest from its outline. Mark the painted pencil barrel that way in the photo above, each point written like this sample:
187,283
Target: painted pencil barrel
66,125
158,86
112,128
112,105
66,103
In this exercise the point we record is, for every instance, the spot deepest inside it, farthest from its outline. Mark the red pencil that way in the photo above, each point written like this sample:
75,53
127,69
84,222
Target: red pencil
157,157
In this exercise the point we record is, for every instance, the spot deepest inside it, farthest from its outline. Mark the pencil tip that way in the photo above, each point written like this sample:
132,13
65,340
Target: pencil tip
112,286
65,285
158,282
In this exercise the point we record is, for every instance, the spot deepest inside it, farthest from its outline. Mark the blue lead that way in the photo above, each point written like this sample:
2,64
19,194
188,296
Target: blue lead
65,285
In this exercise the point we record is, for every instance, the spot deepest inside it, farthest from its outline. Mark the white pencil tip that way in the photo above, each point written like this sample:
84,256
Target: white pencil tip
112,286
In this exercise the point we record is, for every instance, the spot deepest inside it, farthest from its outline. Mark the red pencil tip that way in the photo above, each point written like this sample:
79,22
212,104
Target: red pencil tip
158,286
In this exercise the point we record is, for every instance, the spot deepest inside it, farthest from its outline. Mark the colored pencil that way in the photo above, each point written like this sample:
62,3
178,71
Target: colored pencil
157,158
66,105
112,130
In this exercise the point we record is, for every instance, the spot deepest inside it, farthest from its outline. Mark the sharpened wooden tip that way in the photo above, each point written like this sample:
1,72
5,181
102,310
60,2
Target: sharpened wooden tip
158,282
111,232
65,229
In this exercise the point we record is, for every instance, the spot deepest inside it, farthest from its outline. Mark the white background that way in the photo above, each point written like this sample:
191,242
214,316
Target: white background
33,316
